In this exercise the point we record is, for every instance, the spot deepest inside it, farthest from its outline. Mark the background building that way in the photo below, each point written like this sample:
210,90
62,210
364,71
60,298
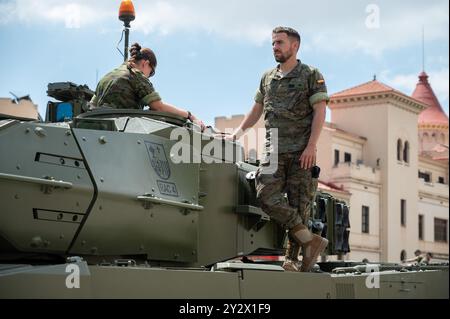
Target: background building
20,108
386,154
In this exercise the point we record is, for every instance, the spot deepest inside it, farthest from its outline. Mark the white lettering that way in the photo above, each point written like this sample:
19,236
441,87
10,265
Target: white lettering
73,279
373,279
373,19
196,309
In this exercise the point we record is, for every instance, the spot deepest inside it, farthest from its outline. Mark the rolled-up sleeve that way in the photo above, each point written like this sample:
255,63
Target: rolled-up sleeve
260,92
144,89
318,88
149,98
94,100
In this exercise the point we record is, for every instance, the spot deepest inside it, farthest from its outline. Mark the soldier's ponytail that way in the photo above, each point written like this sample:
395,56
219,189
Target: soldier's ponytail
138,53
135,52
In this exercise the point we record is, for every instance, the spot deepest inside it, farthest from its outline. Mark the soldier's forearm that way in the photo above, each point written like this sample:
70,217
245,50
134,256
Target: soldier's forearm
250,119
317,123
164,107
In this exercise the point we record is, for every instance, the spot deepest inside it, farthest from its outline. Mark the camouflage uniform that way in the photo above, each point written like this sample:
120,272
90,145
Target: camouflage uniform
125,88
288,178
287,102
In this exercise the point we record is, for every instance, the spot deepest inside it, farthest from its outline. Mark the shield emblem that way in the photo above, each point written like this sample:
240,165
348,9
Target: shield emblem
158,159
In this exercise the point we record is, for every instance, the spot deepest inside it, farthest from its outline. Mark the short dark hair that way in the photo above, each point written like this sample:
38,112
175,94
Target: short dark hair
289,31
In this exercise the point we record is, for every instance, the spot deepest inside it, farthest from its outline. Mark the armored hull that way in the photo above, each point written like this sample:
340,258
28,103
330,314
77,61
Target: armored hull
224,281
111,188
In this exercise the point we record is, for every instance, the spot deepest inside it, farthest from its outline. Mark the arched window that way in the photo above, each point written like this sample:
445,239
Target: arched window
252,155
406,152
399,149
403,255
426,137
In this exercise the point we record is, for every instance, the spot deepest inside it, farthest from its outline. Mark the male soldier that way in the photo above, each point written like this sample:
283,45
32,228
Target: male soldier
420,258
293,98
417,257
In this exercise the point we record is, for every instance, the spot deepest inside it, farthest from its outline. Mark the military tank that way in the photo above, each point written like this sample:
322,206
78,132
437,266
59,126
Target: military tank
105,203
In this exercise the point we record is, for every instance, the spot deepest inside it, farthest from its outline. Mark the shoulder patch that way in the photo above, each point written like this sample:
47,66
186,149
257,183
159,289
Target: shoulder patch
321,81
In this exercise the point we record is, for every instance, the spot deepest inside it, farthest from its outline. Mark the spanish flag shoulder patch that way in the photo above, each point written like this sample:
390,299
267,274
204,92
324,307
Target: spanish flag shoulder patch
321,81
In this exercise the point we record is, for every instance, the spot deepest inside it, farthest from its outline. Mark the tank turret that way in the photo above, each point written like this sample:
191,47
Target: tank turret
114,183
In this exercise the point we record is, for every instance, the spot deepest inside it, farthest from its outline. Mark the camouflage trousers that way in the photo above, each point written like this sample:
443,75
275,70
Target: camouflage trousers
288,179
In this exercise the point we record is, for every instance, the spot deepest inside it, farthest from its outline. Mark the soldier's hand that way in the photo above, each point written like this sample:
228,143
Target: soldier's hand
224,136
308,157
230,137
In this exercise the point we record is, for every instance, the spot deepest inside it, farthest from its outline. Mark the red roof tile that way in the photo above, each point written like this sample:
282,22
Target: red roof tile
365,88
424,93
371,87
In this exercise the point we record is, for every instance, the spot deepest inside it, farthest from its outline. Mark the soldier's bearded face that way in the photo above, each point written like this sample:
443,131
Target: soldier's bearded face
282,57
283,47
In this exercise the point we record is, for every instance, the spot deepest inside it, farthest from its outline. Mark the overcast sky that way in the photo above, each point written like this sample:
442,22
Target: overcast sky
211,54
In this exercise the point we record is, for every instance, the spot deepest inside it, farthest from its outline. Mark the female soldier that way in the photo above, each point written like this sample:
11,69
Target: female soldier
128,86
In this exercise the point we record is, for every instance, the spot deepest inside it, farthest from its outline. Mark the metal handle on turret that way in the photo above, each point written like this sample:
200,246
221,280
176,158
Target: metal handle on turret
159,200
41,181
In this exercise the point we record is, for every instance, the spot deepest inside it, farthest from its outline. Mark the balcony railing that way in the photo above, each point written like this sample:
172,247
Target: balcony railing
433,188
356,171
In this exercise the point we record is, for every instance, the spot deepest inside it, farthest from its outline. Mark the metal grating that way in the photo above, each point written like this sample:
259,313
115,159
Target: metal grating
345,291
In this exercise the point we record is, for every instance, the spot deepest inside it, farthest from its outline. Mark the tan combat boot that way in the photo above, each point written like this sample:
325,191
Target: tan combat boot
312,245
291,262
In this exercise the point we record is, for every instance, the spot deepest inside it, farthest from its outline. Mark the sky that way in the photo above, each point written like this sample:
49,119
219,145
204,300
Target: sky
211,54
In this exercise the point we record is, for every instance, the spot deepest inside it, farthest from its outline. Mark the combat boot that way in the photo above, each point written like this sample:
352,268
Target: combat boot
291,262
312,245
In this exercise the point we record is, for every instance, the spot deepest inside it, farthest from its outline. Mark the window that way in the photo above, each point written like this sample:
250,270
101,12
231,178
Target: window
252,155
440,230
365,220
403,255
421,227
347,157
425,176
399,149
336,157
441,180
406,152
403,212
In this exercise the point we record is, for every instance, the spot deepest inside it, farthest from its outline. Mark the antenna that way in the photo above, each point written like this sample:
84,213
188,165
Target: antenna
16,100
423,48
126,14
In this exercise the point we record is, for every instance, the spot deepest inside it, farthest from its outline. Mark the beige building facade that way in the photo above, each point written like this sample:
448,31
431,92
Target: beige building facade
22,108
386,154
252,140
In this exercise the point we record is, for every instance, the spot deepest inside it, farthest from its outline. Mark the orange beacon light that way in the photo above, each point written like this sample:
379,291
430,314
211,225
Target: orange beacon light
126,12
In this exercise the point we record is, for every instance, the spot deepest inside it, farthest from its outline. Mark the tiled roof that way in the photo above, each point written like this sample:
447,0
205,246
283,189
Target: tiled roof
366,88
424,93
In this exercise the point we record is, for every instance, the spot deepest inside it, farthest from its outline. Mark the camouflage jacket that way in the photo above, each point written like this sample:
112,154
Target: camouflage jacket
288,102
125,88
